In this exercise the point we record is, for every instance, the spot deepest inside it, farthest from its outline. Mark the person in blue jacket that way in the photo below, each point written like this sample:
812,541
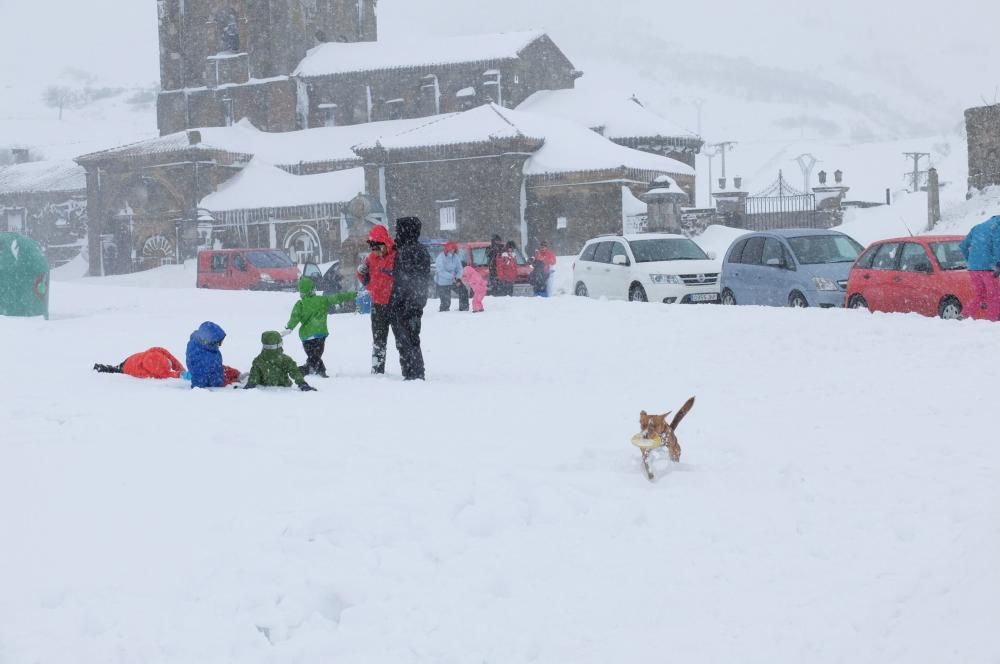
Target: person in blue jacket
981,248
204,359
448,277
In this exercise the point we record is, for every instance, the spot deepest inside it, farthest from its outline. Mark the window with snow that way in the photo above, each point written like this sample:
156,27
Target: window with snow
430,95
328,112
492,87
449,218
227,112
562,222
394,109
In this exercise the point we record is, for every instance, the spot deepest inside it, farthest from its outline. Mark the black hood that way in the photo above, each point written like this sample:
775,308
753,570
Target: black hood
407,230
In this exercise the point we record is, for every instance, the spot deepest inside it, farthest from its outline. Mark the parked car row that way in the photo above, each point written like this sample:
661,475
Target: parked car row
788,267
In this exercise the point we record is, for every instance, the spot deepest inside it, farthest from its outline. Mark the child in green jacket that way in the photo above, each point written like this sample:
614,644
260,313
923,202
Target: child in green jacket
311,312
272,368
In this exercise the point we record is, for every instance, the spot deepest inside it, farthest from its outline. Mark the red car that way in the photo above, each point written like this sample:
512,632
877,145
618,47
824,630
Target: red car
246,269
924,274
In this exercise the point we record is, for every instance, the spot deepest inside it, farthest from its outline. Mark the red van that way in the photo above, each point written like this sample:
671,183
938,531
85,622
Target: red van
246,269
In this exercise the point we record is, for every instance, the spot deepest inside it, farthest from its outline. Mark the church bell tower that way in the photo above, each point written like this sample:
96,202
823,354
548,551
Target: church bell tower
205,43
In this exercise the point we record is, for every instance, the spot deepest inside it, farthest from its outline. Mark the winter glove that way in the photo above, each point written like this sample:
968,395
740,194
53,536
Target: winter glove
305,387
285,332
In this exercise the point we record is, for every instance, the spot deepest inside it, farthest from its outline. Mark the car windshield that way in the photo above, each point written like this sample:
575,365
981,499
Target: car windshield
268,259
479,258
819,249
948,255
652,251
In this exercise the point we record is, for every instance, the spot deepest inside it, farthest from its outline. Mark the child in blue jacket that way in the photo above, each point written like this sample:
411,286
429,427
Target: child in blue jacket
204,359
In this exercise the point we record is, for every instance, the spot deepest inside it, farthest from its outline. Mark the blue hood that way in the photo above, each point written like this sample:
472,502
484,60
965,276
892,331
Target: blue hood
208,334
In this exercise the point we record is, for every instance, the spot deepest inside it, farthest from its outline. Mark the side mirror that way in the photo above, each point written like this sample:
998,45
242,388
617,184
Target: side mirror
619,260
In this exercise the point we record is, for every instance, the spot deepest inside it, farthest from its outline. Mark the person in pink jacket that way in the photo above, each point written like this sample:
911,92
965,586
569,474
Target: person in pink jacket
475,281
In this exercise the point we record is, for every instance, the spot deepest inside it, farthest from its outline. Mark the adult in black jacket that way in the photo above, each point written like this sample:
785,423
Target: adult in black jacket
492,252
411,280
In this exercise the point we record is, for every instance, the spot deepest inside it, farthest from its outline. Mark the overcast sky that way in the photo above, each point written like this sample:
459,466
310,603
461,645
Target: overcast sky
951,47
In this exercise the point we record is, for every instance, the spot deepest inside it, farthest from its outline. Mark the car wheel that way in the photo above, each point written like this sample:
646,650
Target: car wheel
581,290
858,302
637,293
728,297
950,309
797,300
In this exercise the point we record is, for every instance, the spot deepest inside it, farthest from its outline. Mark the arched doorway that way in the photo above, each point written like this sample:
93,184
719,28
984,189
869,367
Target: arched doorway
303,245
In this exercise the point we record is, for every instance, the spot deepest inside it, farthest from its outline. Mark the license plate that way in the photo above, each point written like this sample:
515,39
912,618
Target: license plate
524,290
704,297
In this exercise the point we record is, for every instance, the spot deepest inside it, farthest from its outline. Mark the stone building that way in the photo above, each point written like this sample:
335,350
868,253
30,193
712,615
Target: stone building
522,175
982,126
294,85
47,201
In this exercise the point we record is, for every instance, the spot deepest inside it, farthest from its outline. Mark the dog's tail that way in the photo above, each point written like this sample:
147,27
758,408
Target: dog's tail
681,413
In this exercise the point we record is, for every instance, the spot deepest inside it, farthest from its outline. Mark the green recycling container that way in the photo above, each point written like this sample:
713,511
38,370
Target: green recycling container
24,277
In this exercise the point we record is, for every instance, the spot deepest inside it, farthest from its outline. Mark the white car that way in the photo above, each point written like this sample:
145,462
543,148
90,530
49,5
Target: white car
647,267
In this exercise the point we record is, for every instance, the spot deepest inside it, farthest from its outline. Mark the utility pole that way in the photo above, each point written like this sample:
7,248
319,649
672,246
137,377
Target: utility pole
807,163
916,157
699,104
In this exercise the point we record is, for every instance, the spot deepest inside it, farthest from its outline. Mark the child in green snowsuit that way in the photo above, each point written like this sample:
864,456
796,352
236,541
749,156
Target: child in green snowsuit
272,368
311,311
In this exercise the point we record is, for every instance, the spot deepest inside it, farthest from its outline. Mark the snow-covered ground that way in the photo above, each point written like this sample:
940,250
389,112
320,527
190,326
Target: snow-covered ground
837,499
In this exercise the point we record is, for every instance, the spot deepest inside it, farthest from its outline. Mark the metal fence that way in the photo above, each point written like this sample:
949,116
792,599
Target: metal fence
783,206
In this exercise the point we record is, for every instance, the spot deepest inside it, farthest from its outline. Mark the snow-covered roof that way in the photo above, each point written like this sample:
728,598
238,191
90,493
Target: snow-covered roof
567,147
338,58
261,185
42,177
616,116
322,144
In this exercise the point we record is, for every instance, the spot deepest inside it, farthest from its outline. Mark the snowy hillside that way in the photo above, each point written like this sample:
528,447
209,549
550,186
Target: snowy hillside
837,499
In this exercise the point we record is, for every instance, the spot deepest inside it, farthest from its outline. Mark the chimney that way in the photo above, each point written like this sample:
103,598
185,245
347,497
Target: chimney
838,176
738,183
822,177
722,183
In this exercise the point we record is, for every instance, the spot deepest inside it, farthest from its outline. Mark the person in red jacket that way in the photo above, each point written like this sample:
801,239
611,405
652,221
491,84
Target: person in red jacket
546,255
158,363
153,363
507,269
376,275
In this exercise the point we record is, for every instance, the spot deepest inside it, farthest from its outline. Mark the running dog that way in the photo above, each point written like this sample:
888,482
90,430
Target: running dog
659,433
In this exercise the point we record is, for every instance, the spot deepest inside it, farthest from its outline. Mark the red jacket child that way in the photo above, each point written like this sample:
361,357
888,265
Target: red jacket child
153,363
507,266
376,273
546,255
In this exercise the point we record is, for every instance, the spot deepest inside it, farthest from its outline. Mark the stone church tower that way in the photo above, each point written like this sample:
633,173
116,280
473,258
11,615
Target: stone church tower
212,43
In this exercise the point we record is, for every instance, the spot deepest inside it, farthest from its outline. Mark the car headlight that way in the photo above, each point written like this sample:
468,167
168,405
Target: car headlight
666,279
267,279
825,284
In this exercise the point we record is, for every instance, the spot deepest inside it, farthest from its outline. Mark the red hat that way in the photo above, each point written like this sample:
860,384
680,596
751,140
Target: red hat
450,246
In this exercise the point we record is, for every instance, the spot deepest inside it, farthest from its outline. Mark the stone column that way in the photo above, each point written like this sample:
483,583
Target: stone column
664,200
